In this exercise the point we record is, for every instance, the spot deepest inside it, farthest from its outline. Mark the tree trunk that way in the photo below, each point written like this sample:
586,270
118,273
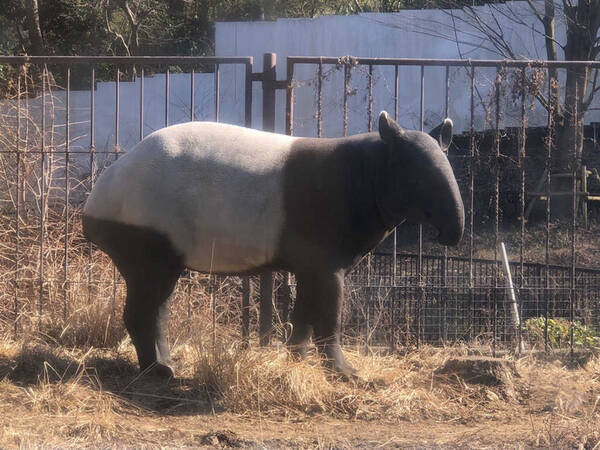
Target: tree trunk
32,20
581,30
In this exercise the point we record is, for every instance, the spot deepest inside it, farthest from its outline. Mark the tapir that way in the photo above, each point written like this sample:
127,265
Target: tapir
224,199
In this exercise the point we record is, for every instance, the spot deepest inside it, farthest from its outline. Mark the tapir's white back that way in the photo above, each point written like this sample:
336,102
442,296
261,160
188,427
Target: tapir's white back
215,190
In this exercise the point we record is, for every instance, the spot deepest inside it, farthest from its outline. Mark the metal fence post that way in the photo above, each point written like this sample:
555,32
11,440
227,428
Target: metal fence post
266,278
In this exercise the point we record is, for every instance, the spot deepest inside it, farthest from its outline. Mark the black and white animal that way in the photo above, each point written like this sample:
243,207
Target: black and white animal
230,200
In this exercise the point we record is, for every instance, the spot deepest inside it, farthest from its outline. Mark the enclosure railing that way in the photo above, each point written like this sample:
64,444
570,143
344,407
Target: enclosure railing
517,187
47,270
565,91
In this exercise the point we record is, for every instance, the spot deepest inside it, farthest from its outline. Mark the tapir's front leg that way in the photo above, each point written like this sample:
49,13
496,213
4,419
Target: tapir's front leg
319,303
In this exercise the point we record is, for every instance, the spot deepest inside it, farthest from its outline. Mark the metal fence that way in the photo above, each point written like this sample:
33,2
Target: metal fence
439,297
416,292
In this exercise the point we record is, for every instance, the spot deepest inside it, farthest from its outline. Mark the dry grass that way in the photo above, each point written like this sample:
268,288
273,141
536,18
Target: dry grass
60,396
69,378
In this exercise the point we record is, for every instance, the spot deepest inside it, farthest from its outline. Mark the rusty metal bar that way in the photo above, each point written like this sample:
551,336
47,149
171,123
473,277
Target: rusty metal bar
217,92
42,196
395,233
141,103
117,118
550,136
346,92
92,170
167,86
266,278
575,169
471,204
320,100
421,297
247,93
498,86
289,99
395,238
126,60
370,100
67,189
444,62
192,94
522,155
246,294
369,128
445,260
117,107
17,208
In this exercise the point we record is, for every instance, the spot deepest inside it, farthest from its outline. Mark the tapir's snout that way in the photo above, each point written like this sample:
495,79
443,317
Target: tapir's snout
450,218
451,237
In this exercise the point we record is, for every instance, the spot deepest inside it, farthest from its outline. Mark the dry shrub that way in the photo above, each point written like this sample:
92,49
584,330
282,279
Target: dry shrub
271,382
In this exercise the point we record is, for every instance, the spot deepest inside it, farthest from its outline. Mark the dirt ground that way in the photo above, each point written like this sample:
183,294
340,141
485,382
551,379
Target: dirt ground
432,398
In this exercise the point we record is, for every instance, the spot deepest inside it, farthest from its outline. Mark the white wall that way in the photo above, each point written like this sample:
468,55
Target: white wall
231,110
407,34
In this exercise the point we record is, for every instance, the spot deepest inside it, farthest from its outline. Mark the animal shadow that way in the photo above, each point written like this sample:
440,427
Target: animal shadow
35,364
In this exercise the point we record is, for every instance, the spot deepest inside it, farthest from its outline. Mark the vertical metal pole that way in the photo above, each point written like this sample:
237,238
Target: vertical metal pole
246,292
320,100
471,204
551,100
445,257
67,200
141,103
117,108
117,132
522,155
248,95
192,94
496,210
584,204
42,197
246,311
167,79
289,100
17,209
395,235
92,170
266,278
346,92
370,100
574,168
217,92
370,128
421,297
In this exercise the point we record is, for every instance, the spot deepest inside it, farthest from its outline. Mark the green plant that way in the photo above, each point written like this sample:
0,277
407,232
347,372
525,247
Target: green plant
559,332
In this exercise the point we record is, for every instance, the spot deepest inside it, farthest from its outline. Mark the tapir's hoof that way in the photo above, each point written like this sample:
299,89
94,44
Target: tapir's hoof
343,370
158,370
298,352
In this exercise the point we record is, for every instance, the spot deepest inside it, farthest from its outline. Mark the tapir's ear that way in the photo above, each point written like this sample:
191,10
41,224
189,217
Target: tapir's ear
389,130
443,134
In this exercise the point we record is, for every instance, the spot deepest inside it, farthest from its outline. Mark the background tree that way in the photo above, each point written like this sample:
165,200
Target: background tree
569,97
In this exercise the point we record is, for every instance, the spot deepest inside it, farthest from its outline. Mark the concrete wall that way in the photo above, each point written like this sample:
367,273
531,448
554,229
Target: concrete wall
407,34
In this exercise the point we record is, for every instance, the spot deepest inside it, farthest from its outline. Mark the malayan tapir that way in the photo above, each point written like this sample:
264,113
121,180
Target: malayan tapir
231,200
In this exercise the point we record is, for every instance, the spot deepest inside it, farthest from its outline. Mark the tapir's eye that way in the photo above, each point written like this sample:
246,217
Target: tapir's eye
428,214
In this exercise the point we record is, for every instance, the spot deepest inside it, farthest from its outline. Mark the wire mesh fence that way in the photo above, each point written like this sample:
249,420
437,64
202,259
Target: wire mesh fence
527,139
524,158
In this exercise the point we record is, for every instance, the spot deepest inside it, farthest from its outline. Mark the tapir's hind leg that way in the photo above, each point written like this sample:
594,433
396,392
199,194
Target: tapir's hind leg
146,316
151,267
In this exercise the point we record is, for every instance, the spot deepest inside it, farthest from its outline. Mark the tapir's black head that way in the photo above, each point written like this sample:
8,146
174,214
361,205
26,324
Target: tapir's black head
418,182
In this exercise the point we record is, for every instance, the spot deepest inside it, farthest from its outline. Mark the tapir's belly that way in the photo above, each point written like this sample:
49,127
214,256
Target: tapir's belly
215,190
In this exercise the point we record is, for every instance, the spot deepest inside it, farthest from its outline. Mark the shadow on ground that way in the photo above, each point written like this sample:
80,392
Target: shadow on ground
34,364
